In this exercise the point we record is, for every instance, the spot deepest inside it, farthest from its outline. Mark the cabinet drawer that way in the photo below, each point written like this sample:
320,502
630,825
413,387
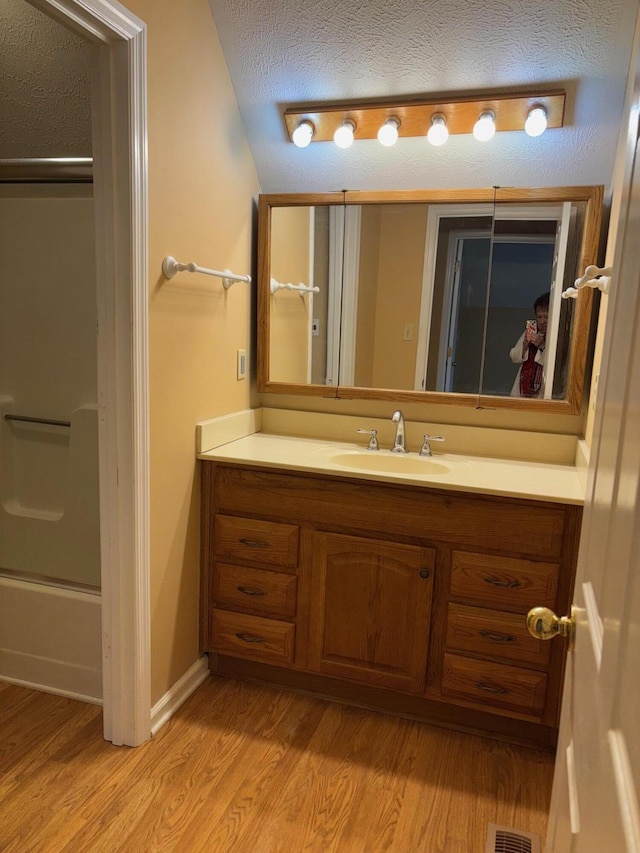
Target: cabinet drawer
464,521
265,542
504,583
496,684
495,634
254,590
241,635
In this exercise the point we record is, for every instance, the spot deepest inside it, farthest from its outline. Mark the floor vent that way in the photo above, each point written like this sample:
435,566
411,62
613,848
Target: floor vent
504,839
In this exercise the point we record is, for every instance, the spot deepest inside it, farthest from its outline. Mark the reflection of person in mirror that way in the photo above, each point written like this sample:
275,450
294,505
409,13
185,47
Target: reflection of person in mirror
529,352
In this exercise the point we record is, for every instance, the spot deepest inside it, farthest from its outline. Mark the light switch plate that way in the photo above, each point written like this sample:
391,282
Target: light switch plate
242,364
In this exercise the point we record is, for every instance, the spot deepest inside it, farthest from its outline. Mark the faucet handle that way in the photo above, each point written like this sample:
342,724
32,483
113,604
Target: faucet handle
425,450
373,438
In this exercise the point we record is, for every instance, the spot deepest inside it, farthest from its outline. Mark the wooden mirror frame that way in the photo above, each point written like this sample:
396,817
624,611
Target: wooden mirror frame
592,196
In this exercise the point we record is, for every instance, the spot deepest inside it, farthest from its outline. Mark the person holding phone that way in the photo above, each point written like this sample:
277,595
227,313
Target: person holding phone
528,352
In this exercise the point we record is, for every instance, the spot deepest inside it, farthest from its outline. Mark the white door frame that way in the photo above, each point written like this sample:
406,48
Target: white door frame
435,214
450,306
119,110
344,272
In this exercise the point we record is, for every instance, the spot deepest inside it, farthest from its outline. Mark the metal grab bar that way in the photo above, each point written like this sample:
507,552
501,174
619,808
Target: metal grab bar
29,420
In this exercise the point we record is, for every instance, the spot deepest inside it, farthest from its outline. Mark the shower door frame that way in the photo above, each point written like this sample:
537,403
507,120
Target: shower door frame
119,117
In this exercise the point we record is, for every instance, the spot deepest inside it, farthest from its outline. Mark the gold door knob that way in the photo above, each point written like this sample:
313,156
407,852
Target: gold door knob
543,624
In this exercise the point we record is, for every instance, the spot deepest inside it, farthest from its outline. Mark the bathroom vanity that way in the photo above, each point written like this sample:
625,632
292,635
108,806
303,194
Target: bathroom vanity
403,593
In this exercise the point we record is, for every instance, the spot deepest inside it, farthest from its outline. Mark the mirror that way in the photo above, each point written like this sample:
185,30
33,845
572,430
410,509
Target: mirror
428,295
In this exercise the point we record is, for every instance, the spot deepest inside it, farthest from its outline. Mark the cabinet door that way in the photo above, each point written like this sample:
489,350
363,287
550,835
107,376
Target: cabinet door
371,610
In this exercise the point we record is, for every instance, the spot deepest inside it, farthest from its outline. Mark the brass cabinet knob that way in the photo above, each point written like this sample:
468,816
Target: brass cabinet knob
543,624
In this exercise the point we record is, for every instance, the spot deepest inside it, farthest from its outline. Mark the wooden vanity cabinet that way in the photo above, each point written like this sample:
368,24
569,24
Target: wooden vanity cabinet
402,598
371,610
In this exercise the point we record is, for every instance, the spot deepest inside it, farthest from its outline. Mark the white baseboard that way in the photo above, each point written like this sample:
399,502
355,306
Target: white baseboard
166,707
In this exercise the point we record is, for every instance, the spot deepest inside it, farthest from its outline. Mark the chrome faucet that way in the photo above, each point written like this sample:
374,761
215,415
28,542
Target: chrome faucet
425,450
373,438
399,442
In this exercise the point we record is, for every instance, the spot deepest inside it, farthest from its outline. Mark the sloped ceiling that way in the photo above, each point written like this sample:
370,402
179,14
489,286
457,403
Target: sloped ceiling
282,52
45,107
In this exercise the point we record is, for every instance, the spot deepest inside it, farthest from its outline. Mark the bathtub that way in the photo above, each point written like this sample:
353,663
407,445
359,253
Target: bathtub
50,626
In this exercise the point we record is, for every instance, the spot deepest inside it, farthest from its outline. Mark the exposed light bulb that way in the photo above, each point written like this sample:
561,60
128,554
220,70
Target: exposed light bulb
388,133
536,122
303,134
343,137
485,127
438,132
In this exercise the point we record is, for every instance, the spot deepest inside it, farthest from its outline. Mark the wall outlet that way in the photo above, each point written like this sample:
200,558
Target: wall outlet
242,364
407,332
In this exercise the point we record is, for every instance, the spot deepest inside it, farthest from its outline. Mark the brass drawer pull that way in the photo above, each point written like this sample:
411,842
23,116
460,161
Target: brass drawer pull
507,584
247,591
250,638
254,543
490,688
498,638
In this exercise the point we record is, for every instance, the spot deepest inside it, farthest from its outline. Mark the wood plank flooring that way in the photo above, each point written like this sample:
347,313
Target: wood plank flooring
250,769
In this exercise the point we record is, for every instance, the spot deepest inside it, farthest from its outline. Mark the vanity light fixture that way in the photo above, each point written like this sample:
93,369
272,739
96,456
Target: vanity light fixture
303,134
388,133
536,122
343,137
438,132
415,117
484,129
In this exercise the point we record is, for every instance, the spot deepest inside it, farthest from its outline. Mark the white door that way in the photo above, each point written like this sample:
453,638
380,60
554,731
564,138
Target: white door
594,805
555,298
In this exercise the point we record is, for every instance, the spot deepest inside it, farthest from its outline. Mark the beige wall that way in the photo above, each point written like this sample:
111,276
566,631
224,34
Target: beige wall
367,294
289,320
402,234
201,183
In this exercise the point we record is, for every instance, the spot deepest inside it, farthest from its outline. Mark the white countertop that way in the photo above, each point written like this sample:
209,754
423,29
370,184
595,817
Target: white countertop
483,475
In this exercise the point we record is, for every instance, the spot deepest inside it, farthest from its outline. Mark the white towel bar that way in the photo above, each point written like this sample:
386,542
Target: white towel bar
171,267
590,279
298,288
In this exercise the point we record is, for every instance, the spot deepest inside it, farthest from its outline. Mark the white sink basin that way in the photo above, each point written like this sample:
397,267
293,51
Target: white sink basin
393,463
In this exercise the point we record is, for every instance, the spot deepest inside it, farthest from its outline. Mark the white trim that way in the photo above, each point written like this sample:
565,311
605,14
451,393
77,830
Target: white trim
351,274
334,295
177,695
120,181
572,785
311,280
555,300
627,793
594,622
435,214
451,304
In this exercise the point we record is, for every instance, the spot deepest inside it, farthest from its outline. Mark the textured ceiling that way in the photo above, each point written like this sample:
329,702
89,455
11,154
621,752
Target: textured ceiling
45,108
282,52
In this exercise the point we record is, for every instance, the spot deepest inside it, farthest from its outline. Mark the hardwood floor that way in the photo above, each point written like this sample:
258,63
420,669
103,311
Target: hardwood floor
251,769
